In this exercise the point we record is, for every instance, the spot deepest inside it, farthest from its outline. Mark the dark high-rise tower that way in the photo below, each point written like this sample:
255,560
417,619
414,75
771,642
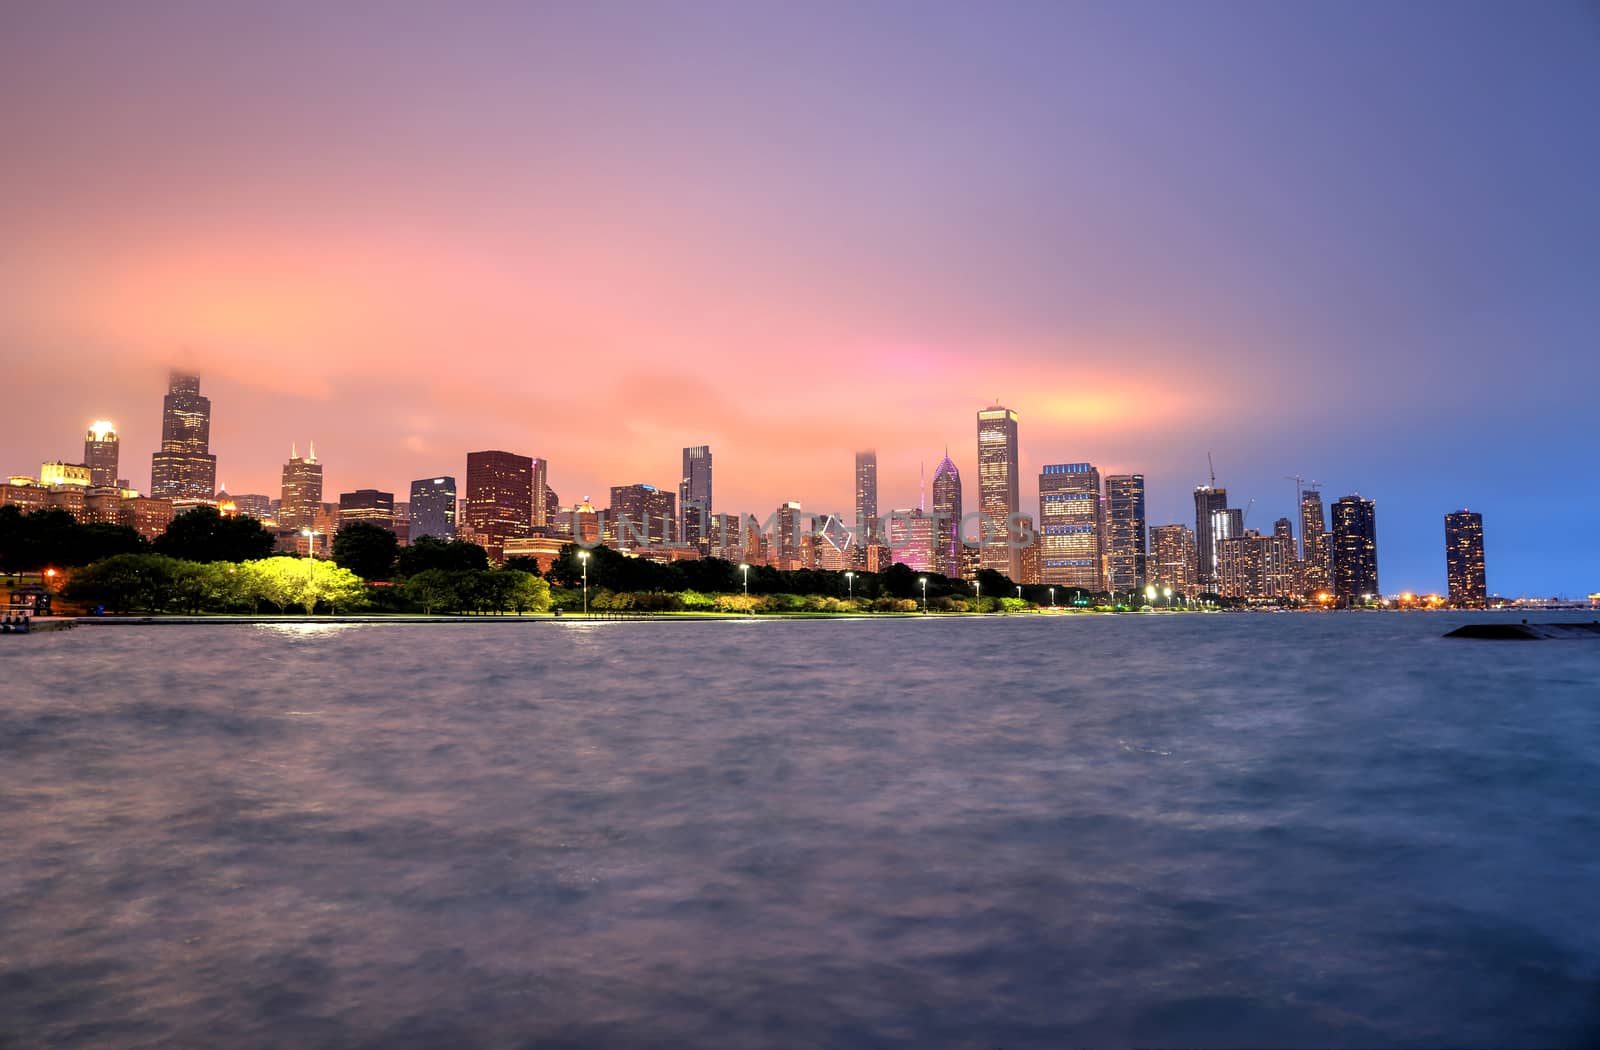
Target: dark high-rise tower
100,454
998,494
1210,518
866,499
433,508
642,515
947,511
1125,532
302,490
694,495
185,467
1463,555
499,498
1355,550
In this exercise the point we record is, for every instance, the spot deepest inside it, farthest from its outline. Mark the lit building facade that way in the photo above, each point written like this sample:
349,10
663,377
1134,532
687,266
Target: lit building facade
1210,525
1173,559
1316,547
58,473
1070,526
642,516
433,508
254,505
100,454
1256,567
947,509
1125,552
499,498
1464,564
789,527
185,467
1355,550
369,505
866,499
998,493
694,496
302,490
912,539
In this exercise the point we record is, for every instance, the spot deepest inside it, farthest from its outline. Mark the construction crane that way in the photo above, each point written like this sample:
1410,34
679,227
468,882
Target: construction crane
1246,515
1213,468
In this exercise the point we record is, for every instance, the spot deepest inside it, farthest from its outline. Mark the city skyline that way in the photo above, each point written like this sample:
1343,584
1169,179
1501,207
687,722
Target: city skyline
1209,237
509,495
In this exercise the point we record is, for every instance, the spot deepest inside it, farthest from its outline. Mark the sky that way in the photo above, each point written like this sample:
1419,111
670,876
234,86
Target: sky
1358,243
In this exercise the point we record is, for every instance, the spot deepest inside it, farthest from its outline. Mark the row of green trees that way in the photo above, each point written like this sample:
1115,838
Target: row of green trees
156,583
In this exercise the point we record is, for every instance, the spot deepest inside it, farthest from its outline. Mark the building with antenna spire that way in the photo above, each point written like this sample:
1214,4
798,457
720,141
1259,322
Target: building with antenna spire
302,490
947,514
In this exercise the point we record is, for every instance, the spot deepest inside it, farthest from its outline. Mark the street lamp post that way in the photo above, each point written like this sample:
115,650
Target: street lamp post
850,582
311,553
744,569
1166,595
924,581
1052,597
977,586
583,556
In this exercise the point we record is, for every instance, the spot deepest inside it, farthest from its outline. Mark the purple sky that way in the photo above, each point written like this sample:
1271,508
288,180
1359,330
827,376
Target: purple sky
1358,242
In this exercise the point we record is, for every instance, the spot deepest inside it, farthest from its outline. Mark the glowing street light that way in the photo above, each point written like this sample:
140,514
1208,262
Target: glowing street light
1166,593
850,582
1052,597
977,585
744,568
924,581
583,556
1150,595
311,553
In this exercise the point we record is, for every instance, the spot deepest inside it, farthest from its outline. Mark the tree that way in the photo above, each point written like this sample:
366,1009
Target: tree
125,582
430,552
526,592
335,585
366,549
523,563
276,581
433,589
204,534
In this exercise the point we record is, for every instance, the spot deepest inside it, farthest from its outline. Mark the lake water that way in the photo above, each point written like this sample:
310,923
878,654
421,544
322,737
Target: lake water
1287,830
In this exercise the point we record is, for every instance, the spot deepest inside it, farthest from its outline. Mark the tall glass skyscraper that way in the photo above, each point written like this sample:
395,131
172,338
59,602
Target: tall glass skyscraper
694,496
185,467
1208,504
1316,551
1355,550
1125,532
1070,526
1463,554
998,496
866,501
302,490
947,508
433,508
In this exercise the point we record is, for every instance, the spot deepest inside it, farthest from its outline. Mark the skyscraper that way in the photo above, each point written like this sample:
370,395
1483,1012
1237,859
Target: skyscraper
1256,566
185,467
1355,550
368,505
1316,551
694,496
947,509
866,499
998,497
1208,504
1125,532
1463,555
912,539
100,454
1070,526
541,493
302,490
1172,553
499,498
788,531
433,508
642,515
